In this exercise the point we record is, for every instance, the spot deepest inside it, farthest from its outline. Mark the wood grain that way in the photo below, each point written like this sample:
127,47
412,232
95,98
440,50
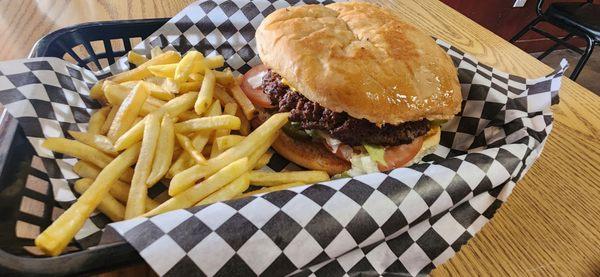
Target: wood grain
549,225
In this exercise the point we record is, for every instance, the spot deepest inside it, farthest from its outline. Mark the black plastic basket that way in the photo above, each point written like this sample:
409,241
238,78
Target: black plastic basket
90,45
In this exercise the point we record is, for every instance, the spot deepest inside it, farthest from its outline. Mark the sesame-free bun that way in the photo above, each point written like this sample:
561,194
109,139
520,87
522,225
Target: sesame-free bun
309,154
357,58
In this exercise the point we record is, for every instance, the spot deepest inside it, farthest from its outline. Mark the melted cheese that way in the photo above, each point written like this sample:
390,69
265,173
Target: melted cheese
285,82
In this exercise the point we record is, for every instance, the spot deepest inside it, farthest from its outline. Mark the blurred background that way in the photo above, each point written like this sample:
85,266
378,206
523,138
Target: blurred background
505,20
23,22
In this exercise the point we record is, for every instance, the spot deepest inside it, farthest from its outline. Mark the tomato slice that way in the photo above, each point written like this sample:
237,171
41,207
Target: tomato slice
398,156
255,93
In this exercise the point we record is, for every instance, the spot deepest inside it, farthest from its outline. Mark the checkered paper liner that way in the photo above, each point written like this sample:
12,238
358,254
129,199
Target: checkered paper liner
406,221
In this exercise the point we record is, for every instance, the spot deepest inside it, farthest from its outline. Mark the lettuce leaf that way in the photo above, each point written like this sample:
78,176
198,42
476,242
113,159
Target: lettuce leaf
376,152
438,122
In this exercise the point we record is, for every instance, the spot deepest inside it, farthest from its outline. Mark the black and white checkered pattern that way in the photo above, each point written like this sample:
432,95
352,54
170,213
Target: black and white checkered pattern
49,97
406,221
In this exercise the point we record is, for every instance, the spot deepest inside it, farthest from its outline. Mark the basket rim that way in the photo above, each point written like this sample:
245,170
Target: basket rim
41,46
109,255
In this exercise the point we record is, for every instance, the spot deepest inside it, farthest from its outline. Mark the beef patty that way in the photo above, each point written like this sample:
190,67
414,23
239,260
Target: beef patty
349,130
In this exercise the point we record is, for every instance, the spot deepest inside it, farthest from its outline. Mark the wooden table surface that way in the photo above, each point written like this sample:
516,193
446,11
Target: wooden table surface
551,223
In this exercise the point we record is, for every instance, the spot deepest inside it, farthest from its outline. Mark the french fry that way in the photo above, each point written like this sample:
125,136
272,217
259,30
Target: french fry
213,62
244,123
200,139
141,72
180,104
187,115
135,58
223,96
169,85
186,144
255,142
260,150
163,158
133,135
206,93
269,179
166,84
227,192
214,150
96,91
99,142
163,70
190,86
136,202
271,189
85,169
109,119
224,77
156,91
198,67
78,150
263,160
155,52
137,120
226,142
88,170
229,109
245,104
115,94
119,190
128,111
174,108
146,108
160,92
208,123
97,120
162,197
109,206
185,67
183,162
83,152
197,76
55,238
194,194
214,109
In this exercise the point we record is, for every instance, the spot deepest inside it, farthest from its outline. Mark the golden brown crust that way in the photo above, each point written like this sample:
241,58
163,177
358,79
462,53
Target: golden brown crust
309,154
358,58
316,156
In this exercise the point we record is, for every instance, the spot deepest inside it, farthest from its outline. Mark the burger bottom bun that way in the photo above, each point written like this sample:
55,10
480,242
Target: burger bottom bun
316,156
309,154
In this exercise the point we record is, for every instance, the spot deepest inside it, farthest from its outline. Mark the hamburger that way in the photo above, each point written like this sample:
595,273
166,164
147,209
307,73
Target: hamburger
365,90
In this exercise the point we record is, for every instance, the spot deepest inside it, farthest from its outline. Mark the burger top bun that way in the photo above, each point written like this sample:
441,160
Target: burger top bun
357,58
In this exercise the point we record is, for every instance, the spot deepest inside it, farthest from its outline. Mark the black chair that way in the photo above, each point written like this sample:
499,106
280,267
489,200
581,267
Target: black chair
579,19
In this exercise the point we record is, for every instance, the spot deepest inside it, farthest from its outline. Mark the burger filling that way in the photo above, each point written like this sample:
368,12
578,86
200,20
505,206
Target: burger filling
365,145
309,115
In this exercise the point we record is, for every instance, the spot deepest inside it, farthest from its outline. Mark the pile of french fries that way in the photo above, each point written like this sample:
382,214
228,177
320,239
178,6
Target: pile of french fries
174,120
